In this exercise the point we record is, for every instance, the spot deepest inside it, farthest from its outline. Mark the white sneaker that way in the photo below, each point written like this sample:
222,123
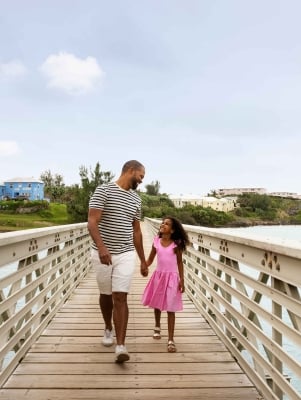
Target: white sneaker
108,338
121,354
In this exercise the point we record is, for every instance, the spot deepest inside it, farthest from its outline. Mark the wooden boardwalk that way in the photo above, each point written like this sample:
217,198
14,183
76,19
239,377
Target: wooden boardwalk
69,362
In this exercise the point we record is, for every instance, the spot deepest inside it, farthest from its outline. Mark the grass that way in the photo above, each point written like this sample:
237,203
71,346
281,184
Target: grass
55,215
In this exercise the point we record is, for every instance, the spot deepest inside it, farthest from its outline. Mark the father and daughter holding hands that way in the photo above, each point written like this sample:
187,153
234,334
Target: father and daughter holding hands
114,226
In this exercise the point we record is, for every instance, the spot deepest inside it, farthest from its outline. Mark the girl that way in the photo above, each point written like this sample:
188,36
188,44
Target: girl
163,291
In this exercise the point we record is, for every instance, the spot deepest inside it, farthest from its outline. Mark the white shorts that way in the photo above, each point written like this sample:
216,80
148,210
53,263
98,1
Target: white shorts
116,277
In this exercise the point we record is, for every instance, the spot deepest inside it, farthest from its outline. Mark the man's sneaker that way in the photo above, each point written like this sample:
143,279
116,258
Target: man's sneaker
108,338
121,354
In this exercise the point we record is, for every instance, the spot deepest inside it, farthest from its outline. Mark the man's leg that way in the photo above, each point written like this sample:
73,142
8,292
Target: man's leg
106,307
124,266
120,316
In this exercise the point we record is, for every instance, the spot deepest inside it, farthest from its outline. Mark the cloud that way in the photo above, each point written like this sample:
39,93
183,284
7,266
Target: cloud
8,148
12,69
71,74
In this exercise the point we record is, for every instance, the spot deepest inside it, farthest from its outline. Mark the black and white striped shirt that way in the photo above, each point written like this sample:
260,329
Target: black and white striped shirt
120,208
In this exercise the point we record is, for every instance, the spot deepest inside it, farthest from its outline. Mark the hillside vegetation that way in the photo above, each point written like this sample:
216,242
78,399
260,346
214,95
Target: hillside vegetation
253,209
31,215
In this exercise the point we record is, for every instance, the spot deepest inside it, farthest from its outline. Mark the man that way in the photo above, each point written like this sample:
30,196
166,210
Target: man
114,225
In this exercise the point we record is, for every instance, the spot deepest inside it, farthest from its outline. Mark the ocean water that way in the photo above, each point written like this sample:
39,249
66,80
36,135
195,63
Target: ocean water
283,232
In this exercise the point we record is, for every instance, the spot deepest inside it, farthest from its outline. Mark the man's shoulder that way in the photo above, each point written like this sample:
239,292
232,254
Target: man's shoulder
135,195
110,188
105,186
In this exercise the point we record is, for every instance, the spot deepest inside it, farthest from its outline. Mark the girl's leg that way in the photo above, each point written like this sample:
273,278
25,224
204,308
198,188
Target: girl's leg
171,324
157,329
171,347
157,313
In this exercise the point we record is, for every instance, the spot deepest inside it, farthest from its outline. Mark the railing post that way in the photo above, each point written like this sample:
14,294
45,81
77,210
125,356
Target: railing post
277,337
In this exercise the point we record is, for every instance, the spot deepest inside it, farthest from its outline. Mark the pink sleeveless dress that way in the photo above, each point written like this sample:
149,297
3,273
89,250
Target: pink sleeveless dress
162,290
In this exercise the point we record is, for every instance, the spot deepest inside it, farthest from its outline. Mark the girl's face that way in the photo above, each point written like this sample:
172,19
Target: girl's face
166,226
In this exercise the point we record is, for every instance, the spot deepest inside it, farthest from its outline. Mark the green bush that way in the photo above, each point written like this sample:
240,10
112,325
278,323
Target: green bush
14,205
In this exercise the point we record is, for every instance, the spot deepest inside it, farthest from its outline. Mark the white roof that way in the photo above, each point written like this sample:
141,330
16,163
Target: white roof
23,180
208,199
185,196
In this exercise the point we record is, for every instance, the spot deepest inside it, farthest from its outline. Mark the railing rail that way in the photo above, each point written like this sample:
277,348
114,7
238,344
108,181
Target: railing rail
39,268
248,289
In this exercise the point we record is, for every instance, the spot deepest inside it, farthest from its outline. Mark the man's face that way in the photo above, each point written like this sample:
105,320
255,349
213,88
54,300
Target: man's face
137,178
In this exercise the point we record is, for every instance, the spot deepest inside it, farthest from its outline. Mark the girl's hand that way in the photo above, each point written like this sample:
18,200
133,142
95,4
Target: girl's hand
181,286
143,269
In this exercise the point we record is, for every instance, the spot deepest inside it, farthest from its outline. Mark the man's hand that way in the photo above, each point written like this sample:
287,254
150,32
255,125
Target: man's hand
143,269
104,256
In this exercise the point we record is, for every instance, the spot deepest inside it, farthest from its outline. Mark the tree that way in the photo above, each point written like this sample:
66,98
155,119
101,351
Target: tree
153,189
213,193
54,187
78,205
255,201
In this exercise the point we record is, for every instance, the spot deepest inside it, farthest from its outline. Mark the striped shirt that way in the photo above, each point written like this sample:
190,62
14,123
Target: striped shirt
120,208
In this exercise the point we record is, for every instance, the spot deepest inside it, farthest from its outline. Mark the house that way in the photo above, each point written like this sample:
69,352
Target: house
288,195
22,188
239,191
2,191
218,204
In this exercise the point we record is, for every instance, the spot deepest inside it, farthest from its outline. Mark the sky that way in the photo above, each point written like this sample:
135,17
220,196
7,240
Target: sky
205,93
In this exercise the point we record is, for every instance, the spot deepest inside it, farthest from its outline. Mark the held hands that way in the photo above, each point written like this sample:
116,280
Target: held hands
144,269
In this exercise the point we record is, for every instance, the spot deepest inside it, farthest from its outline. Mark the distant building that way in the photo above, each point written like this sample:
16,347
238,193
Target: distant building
218,204
239,191
22,188
2,191
286,195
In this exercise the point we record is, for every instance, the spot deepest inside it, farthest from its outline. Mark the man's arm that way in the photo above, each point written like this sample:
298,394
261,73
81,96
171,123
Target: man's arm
138,243
94,218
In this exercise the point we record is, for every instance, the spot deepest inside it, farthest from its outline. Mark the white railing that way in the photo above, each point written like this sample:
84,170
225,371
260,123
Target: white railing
249,292
246,288
39,268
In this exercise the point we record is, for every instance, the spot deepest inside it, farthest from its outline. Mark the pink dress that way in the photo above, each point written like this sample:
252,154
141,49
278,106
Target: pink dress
162,290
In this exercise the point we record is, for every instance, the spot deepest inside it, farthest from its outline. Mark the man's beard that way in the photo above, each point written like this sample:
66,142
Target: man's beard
134,185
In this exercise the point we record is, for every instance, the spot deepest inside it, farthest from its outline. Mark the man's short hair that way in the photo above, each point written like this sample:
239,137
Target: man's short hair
132,164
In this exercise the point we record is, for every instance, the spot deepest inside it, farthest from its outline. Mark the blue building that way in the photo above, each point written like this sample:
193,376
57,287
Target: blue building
2,191
22,188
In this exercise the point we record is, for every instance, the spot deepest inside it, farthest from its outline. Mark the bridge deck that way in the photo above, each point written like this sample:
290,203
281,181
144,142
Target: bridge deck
69,362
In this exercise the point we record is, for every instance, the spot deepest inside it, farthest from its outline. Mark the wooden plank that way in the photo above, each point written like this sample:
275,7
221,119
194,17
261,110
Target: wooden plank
155,368
131,394
141,339
99,332
139,347
144,357
127,381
